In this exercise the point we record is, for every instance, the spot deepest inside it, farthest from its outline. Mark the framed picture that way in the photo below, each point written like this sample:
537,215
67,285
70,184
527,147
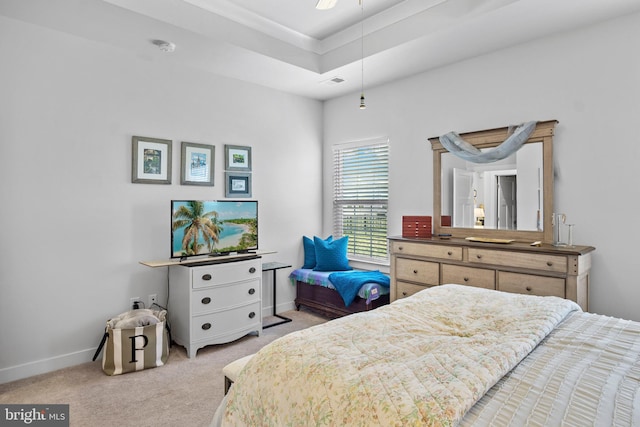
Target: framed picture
237,158
238,184
197,164
151,160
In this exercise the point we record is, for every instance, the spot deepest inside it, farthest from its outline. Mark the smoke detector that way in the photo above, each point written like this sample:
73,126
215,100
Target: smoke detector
164,45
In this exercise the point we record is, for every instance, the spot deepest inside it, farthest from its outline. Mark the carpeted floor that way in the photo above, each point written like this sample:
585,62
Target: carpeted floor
184,392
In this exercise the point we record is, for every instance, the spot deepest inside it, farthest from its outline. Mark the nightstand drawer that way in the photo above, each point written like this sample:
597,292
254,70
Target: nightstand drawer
444,252
211,325
479,277
224,296
404,289
530,284
412,270
211,275
542,262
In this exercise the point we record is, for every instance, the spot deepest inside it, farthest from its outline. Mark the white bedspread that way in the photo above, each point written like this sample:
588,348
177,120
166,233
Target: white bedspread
585,373
423,360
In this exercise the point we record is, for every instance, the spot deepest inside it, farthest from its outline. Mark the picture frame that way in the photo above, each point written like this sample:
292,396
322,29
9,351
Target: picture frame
151,160
238,184
237,158
197,164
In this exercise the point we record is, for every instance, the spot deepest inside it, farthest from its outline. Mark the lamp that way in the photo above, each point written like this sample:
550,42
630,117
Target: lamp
325,4
362,104
479,213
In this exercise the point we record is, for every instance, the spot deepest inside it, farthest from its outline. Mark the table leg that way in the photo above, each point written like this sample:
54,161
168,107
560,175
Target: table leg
284,319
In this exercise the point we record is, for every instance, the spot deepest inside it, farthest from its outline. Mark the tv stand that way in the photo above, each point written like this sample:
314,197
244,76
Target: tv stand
215,303
204,259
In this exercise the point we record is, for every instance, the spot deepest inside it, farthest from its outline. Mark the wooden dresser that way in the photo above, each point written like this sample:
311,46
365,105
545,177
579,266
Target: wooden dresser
514,267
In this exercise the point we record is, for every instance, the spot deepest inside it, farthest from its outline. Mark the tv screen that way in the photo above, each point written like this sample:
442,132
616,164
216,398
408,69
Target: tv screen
213,227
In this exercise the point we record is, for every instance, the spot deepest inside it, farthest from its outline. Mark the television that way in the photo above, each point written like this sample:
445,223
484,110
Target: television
213,227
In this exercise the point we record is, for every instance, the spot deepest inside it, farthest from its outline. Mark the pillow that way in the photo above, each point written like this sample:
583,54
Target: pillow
331,255
310,251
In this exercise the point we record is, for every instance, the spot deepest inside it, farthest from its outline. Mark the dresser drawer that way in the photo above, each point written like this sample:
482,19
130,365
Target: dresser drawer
418,271
219,297
542,262
530,284
211,275
404,289
479,277
452,253
209,326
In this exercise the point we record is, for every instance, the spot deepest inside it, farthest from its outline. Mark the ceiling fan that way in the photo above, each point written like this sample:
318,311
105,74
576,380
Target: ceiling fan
328,4
325,4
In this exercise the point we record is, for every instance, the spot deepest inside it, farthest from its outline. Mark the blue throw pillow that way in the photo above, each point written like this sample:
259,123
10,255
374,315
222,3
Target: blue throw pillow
310,251
331,256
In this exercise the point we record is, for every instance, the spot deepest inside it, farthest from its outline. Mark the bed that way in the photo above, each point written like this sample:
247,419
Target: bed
448,355
315,290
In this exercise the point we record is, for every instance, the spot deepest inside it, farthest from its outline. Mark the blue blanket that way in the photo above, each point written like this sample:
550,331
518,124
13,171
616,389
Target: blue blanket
349,282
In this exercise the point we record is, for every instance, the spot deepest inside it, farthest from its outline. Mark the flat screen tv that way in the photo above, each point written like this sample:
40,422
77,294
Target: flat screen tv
213,227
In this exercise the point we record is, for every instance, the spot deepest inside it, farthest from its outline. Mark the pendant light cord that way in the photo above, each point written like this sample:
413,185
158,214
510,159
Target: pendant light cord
362,105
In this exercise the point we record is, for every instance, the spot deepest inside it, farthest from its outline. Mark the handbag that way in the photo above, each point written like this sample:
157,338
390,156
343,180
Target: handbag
135,340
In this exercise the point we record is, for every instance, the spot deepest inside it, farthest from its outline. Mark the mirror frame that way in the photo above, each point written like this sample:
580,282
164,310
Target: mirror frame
543,132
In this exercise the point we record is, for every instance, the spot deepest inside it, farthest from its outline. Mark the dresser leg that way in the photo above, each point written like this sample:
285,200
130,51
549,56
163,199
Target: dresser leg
191,351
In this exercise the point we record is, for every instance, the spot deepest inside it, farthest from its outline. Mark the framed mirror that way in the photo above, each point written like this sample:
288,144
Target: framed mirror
507,199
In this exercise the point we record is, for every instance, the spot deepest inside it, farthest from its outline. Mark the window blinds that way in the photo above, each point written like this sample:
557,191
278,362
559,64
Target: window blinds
361,194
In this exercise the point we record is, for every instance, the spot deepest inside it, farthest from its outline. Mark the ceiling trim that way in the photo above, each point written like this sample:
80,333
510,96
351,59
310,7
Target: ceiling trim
395,45
259,23
372,23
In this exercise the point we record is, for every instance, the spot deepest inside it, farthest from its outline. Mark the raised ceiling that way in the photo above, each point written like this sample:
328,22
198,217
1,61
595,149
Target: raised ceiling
290,46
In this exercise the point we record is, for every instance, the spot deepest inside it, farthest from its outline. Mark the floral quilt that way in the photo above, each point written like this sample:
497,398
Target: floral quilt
420,361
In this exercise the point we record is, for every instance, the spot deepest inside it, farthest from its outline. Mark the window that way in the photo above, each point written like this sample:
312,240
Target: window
361,196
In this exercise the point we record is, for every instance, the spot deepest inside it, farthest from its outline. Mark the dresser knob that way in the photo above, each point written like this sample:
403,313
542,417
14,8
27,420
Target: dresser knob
252,291
206,326
206,277
479,256
528,288
404,294
466,279
549,263
415,271
252,315
400,248
252,270
206,300
449,253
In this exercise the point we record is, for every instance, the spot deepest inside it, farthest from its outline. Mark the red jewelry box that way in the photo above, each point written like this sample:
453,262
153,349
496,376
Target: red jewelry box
416,226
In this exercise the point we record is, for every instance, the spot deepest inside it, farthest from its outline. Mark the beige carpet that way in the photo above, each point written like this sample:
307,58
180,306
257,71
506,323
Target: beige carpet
184,392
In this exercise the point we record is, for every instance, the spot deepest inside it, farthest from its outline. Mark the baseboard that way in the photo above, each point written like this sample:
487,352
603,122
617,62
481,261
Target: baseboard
266,311
43,366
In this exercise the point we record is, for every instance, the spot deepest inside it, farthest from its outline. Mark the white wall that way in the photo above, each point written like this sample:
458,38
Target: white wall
587,79
74,227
